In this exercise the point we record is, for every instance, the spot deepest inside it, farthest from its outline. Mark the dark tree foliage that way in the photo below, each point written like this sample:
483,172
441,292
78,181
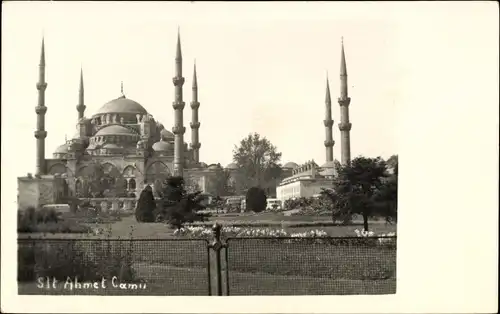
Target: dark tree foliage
179,207
146,206
258,159
355,187
256,199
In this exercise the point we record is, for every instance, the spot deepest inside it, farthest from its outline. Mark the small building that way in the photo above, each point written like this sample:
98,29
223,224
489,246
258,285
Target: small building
307,180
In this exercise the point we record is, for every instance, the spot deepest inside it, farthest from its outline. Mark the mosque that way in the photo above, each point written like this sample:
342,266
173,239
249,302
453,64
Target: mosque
128,146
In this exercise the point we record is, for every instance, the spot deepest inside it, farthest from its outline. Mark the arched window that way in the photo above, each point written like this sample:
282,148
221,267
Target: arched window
131,184
78,188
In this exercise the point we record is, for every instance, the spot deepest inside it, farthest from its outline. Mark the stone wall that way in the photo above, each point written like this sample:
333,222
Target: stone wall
111,204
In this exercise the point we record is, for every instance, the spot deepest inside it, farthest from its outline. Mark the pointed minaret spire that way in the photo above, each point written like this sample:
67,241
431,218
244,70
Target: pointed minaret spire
178,106
328,122
81,99
195,124
344,101
42,53
195,79
41,110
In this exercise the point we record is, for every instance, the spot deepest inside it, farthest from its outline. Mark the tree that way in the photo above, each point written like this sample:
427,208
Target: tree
256,199
386,197
355,186
101,184
392,163
223,184
177,205
258,159
146,206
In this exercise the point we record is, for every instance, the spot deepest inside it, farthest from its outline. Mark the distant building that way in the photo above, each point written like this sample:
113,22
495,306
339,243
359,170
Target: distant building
309,179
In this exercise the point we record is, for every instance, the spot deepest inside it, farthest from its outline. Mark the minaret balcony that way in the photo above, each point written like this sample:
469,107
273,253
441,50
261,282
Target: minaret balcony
195,105
40,109
344,101
178,81
329,143
81,108
40,134
178,130
178,105
195,145
328,123
195,125
41,85
345,126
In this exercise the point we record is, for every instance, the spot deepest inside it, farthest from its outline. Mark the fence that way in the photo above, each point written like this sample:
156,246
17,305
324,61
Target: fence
232,266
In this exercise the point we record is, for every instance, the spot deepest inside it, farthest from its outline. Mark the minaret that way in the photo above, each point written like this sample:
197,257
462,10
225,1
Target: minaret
40,109
344,101
329,142
178,105
195,124
81,103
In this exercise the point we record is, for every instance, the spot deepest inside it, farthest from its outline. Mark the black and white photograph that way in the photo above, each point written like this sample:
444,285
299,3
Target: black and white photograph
156,151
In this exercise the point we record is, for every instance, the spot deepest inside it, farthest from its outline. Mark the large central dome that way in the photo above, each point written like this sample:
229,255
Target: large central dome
122,105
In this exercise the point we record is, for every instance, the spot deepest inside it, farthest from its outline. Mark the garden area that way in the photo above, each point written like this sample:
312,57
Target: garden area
164,243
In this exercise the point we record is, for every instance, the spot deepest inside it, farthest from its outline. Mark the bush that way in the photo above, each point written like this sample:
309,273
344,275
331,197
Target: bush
177,206
60,260
146,206
31,221
256,199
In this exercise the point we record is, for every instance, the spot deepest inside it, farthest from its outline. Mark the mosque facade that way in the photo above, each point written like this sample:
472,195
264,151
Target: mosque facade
121,144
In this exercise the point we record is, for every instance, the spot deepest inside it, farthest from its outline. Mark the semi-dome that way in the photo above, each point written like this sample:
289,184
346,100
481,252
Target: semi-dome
63,149
115,129
162,146
122,105
290,165
166,135
328,164
232,166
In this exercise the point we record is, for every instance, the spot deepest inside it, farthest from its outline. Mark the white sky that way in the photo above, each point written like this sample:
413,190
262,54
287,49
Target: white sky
257,72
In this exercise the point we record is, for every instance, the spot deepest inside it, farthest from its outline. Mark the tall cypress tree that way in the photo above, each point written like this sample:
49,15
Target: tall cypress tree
146,206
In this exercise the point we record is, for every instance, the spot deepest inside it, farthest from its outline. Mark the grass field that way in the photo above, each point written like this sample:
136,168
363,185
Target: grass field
127,225
253,267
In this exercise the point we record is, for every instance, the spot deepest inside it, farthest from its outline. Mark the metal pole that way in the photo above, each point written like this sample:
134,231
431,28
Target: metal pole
217,246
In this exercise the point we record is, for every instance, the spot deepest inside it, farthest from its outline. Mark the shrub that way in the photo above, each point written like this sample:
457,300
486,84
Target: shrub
146,206
256,199
46,221
178,206
73,258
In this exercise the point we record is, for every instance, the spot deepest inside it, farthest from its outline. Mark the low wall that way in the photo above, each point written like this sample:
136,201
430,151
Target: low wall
111,204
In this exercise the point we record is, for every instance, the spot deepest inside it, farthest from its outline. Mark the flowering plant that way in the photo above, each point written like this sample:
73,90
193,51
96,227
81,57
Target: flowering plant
238,232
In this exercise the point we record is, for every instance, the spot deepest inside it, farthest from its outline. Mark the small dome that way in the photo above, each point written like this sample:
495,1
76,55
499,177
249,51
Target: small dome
162,146
214,166
122,105
63,149
232,166
328,172
166,135
328,164
115,130
290,165
203,165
